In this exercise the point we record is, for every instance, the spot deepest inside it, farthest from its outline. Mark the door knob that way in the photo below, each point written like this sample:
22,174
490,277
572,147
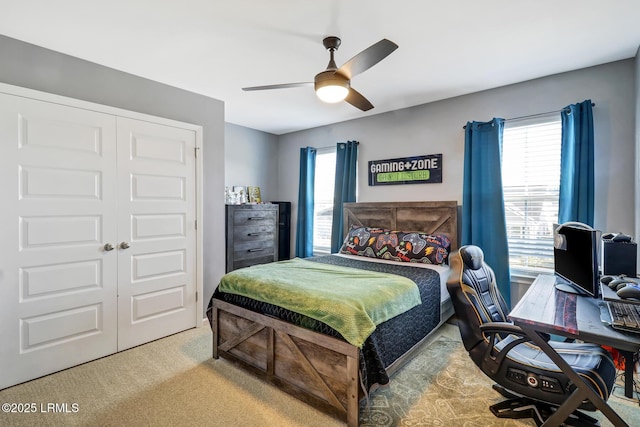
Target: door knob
124,245
108,247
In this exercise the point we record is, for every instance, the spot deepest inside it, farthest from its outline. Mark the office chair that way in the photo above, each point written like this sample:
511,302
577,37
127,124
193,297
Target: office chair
524,374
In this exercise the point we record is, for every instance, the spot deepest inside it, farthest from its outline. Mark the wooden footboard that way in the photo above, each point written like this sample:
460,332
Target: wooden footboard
317,369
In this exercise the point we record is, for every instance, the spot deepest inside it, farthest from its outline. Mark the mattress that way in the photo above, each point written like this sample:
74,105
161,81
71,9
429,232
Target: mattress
442,270
392,338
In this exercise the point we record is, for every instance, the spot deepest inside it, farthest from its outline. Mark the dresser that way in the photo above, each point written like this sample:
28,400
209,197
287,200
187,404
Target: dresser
251,235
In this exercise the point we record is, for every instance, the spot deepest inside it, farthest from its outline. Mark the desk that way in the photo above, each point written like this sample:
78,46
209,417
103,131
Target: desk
545,310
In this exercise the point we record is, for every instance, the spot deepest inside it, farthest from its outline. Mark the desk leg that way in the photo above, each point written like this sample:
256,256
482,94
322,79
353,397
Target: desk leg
583,390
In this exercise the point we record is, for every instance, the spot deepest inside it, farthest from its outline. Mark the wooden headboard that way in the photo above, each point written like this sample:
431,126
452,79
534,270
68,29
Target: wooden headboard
429,217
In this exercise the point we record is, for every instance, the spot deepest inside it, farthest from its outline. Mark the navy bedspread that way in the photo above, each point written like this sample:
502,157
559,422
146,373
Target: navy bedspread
391,339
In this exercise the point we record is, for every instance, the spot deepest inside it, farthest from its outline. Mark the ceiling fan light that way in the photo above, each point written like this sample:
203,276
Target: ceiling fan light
331,87
332,93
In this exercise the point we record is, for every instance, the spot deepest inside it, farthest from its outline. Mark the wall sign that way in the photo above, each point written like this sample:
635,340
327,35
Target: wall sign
406,170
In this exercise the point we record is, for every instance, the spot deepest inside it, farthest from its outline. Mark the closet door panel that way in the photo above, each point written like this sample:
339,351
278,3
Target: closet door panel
157,212
57,283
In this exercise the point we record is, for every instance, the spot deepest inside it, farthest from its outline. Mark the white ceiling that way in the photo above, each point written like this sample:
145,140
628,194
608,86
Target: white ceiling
216,47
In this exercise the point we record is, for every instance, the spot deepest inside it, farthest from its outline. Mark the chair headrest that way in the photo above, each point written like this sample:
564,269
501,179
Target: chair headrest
472,256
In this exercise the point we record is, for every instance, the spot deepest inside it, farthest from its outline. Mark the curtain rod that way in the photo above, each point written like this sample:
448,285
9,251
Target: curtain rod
593,104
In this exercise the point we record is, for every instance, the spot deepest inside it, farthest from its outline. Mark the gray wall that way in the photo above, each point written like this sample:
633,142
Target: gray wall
251,158
33,67
437,128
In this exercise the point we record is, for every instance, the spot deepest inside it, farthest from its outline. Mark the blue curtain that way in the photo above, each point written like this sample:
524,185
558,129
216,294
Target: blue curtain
577,164
304,227
345,188
483,215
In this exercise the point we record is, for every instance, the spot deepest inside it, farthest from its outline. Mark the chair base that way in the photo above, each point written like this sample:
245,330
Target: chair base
522,407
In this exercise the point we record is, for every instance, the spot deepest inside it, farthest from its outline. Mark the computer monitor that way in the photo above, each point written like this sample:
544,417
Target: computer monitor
575,256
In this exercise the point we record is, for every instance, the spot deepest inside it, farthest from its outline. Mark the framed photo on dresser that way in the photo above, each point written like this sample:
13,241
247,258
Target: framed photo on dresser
254,194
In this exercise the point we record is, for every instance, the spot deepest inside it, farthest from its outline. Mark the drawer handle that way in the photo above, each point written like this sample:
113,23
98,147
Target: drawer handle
251,218
256,250
254,234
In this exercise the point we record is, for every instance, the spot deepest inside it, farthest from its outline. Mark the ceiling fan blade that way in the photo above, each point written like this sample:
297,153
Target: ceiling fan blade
367,58
356,99
280,86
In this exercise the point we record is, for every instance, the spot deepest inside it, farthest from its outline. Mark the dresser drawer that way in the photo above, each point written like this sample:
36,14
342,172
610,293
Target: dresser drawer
253,249
241,263
254,217
253,233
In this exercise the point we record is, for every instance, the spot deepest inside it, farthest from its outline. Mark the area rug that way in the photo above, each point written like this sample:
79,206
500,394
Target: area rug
441,386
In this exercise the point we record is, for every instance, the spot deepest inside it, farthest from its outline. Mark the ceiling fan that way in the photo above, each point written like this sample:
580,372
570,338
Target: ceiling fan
334,84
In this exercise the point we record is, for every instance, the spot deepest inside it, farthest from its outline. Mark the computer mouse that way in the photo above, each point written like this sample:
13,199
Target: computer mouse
629,291
622,285
620,280
605,280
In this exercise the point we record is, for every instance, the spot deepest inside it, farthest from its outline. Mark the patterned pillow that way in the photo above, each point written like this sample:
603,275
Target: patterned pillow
402,246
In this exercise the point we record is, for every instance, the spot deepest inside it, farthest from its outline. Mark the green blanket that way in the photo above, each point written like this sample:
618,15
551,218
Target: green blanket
350,300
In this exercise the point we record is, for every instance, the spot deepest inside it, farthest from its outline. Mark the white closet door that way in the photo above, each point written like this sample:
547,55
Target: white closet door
57,283
156,225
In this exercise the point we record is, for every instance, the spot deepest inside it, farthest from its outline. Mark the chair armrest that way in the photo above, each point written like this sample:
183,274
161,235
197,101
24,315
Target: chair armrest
510,328
497,327
493,356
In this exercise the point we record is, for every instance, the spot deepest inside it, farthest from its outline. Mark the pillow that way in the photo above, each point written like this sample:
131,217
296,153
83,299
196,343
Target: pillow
402,246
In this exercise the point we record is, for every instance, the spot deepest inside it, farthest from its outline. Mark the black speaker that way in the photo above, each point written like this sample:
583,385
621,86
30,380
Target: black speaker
619,258
284,230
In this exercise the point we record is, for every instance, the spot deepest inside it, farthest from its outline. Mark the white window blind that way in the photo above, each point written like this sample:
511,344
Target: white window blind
531,182
324,180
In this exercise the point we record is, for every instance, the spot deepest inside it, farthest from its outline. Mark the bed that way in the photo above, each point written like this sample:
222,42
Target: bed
310,359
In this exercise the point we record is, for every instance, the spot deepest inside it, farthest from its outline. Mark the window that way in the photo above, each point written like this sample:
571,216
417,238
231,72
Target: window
531,182
323,199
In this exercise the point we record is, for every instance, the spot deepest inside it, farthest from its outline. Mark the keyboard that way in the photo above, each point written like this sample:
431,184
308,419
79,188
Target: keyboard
624,316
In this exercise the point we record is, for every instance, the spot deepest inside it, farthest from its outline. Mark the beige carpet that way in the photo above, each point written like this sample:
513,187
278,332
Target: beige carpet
174,381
